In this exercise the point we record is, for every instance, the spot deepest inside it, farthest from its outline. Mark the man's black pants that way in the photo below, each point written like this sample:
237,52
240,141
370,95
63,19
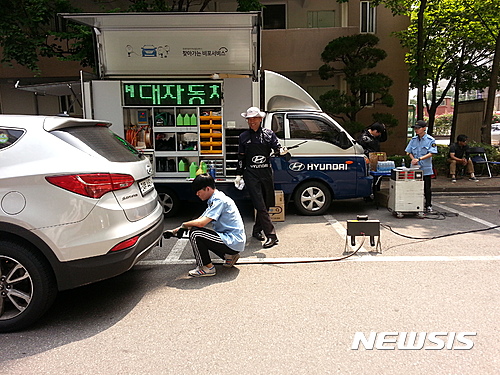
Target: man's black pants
427,191
202,240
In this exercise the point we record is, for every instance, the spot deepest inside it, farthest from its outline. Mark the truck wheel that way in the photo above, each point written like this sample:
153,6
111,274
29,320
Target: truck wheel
170,203
27,286
312,198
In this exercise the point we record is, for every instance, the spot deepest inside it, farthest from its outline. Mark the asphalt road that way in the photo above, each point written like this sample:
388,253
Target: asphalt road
277,312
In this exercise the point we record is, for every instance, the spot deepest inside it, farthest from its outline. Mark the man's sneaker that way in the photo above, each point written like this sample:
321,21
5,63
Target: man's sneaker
230,260
453,180
428,209
202,271
474,179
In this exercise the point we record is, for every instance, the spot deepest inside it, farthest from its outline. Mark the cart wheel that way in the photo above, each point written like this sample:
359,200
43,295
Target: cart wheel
399,215
420,215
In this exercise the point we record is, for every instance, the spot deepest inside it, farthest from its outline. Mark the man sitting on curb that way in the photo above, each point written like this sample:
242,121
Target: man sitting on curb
459,154
227,239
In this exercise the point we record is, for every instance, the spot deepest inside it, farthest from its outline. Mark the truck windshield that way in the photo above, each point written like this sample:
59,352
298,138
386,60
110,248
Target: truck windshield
305,127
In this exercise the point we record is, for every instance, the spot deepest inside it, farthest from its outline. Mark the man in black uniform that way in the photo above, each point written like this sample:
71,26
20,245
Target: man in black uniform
254,152
371,137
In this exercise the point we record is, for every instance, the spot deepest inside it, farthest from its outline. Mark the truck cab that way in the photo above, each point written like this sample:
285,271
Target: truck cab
326,164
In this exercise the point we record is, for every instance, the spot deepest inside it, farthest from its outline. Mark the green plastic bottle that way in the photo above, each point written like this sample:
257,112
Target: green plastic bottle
187,120
182,166
192,170
193,120
180,120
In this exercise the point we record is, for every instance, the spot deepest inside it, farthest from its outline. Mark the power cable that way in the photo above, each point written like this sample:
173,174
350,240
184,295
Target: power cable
388,227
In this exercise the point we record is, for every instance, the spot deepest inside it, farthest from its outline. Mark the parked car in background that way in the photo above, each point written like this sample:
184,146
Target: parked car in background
77,205
495,134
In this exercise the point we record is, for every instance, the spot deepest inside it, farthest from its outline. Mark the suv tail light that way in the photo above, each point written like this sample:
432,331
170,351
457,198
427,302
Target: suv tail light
93,185
125,244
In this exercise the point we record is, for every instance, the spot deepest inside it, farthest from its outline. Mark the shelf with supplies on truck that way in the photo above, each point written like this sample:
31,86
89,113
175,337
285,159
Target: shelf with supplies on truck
406,192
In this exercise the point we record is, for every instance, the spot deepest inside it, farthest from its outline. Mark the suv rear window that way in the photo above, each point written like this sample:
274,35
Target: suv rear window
9,136
101,140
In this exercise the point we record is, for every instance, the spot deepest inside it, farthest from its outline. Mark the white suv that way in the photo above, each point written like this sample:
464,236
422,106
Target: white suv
77,205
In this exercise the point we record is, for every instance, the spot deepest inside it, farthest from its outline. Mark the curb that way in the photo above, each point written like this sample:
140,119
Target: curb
465,189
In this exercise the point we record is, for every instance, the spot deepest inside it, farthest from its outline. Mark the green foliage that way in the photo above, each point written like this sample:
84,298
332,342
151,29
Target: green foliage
458,44
351,57
442,124
397,159
248,5
150,6
27,32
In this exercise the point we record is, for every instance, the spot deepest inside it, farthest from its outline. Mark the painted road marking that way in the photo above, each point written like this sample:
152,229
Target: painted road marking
177,250
361,256
476,219
364,258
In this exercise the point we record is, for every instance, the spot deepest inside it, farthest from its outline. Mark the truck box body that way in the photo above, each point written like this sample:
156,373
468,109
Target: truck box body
175,85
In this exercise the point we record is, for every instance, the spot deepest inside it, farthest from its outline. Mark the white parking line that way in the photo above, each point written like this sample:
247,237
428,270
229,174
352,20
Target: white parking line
476,219
362,255
364,258
177,250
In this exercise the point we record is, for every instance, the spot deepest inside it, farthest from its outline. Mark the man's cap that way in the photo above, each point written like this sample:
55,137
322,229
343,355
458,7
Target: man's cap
420,124
253,112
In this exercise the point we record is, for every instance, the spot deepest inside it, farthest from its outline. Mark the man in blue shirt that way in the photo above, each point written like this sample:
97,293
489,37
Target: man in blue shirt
420,149
226,239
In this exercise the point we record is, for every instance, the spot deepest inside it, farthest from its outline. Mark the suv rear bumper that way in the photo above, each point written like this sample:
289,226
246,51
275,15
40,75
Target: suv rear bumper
80,272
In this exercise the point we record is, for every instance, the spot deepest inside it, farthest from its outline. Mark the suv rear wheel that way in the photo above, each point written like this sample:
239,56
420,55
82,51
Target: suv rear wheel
27,286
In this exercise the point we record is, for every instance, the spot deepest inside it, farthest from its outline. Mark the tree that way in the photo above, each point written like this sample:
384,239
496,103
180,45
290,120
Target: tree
352,57
27,31
453,40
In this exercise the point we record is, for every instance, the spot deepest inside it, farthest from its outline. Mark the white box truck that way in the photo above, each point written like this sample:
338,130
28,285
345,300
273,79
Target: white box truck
174,85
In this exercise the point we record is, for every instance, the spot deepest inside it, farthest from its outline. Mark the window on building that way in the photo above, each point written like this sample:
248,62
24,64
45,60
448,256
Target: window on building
366,98
67,104
274,16
321,18
367,17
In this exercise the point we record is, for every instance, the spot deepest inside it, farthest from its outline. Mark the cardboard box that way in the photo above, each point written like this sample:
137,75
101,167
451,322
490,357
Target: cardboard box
375,157
277,212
